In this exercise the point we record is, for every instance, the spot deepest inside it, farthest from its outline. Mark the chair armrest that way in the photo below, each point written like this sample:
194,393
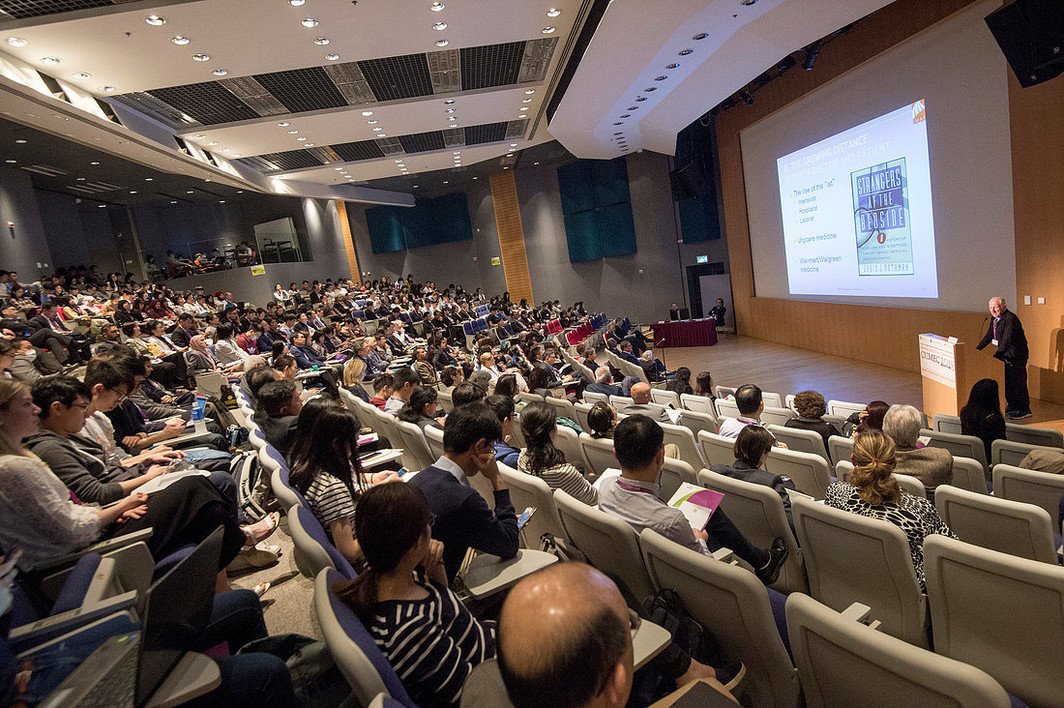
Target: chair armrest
488,574
187,439
41,631
860,613
63,563
724,554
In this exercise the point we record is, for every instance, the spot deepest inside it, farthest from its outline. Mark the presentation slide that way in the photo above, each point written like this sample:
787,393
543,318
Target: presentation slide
856,210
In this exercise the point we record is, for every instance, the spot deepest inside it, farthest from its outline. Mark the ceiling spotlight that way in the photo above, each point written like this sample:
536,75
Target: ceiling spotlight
524,108
747,3
101,206
700,36
149,179
221,201
293,132
811,53
309,22
449,101
377,130
553,12
81,179
367,113
456,125
452,118
415,186
173,201
82,75
301,138
513,145
473,178
17,41
108,89
20,141
190,192
746,97
201,57
284,124
332,57
132,191
526,100
200,135
547,30
155,20
529,92
621,122
373,122
94,162
296,3
441,42
309,145
640,99
180,40
685,52
457,152
446,182
672,66
11,162
439,26
220,72
321,41
50,60
382,135
437,6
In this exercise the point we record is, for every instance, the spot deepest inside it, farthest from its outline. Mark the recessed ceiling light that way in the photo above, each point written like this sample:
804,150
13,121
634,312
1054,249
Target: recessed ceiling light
309,22
220,72
189,192
685,52
80,179
700,36
296,3
284,124
633,108
619,132
301,138
372,122
509,154
240,191
213,142
398,161
173,201
457,152
101,206
201,57
524,108
650,89
452,117
660,78
11,162
415,186
132,191
547,30
332,57
367,113
553,12
155,20
82,75
437,6
50,60
339,169
221,201
441,42
674,65
94,162
535,163
108,89
20,141
180,40
439,26
474,178
149,179
378,130
620,122
382,135
626,115
293,132
448,102
17,41
321,41
640,99
446,182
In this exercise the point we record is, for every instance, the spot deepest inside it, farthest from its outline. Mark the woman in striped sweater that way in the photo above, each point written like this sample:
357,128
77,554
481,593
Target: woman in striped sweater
542,459
428,636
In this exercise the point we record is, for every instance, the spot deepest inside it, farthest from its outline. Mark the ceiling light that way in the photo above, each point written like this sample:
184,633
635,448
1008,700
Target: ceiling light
509,154
173,201
82,75
149,179
446,182
220,72
640,99
448,110
240,191
474,178
685,52
535,163
526,100
382,135
301,138
332,57
236,154
700,36
437,6
553,12
94,162
155,20
547,30
747,3
221,201
377,130
293,132
746,97
452,118
441,42
189,192
80,179
439,26
626,115
454,125
11,162
650,89
524,108
309,22
415,186
321,41
620,122
811,53
213,142
179,40
367,113
339,169
107,89
50,60
372,122
17,41
201,57
20,141
132,191
284,124
296,3
633,108
101,206
457,152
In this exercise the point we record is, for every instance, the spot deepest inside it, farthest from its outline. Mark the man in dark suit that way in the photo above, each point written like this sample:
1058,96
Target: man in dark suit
277,411
604,383
185,331
52,334
463,519
1006,333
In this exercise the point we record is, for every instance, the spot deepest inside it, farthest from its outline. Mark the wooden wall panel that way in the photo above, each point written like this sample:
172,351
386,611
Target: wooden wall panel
511,236
349,241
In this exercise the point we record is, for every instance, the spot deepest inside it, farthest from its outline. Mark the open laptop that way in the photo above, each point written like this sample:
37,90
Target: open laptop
129,667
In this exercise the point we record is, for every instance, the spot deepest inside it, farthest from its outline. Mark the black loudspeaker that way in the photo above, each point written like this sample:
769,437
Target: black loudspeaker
1031,34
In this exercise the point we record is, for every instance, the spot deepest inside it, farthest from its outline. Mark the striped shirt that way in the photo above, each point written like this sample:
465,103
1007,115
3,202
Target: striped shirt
564,477
433,644
330,501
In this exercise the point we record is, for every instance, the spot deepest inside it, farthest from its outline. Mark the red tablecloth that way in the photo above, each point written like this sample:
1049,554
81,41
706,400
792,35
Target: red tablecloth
688,333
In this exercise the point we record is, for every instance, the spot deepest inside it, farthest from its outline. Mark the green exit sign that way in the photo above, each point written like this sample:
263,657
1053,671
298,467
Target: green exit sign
701,259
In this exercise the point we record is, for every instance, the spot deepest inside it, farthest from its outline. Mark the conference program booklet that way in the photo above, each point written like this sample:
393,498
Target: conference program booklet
696,503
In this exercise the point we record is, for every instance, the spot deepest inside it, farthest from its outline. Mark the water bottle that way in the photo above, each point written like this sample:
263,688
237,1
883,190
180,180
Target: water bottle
198,409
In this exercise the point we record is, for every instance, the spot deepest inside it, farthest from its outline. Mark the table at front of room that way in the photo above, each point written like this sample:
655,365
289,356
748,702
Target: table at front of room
686,333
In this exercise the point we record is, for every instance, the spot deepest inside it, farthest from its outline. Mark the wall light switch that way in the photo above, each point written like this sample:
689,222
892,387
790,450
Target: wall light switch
1041,301
1026,299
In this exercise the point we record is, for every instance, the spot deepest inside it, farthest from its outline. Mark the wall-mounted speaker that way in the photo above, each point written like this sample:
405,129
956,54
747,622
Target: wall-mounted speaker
1031,34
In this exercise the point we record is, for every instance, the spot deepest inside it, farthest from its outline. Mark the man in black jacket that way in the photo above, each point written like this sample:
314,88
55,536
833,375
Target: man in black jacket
1006,333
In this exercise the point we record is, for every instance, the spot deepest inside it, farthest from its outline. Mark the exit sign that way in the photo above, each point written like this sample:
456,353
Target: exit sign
701,259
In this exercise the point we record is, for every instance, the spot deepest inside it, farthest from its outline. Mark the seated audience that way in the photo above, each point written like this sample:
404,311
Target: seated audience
751,451
639,444
466,393
981,415
751,405
422,409
423,629
353,376
871,418
931,465
811,408
542,459
423,367
681,383
704,385
451,376
506,385
1051,461
641,404
404,381
604,383
276,412
873,492
463,519
383,386
504,410
601,419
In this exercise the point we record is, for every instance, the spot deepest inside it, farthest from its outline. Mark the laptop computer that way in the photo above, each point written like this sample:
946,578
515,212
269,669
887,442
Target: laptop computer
130,667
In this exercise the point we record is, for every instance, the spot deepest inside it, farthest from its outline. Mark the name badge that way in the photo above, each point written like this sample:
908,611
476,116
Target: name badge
994,342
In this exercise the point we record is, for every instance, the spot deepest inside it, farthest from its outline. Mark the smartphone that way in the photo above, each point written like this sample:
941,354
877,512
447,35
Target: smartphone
525,516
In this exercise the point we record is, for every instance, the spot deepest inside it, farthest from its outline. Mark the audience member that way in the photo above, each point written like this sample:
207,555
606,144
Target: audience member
466,393
276,413
504,411
981,416
542,459
751,405
422,409
404,381
751,451
383,386
811,408
681,383
604,383
602,419
931,465
641,404
871,418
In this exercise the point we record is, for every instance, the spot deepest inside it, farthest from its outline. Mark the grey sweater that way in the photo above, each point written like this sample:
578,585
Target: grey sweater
79,463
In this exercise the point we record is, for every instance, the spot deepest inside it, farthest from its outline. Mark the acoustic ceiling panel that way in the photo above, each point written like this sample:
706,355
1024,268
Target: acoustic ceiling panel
491,65
396,78
301,90
362,150
21,9
490,133
208,103
277,161
423,142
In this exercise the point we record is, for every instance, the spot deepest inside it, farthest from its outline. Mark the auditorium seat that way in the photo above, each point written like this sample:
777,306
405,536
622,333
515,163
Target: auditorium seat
275,466
844,409
696,422
1007,452
723,391
313,550
798,440
700,404
445,400
733,604
851,558
959,445
684,439
567,441
757,510
944,423
1016,528
909,484
777,416
529,397
727,408
673,474
810,473
598,454
529,490
434,439
772,400
842,661
840,448
969,474
716,449
580,410
563,408
665,398
999,613
592,397
1042,489
415,447
1046,437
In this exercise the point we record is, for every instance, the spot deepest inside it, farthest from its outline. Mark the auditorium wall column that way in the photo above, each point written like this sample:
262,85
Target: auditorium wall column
349,241
511,235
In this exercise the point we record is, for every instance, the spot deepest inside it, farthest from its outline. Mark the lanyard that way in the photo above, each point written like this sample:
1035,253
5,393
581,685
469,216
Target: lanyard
633,488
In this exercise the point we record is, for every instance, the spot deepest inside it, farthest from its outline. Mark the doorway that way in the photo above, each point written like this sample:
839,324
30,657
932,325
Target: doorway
694,285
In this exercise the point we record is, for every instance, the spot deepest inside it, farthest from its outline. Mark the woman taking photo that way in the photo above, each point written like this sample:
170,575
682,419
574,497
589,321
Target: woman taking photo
402,597
542,459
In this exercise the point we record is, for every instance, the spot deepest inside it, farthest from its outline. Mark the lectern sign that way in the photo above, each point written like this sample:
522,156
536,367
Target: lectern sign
937,359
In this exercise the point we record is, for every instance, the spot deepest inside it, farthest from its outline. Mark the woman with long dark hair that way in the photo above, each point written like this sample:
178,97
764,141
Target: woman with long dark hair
421,409
871,418
542,459
704,385
681,383
981,415
402,597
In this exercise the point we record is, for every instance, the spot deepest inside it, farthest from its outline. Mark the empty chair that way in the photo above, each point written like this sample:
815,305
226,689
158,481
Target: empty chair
1007,452
969,474
757,510
530,397
777,415
999,613
837,420
1046,437
844,408
772,400
696,422
416,452
716,449
1042,489
665,398
842,661
673,474
727,409
732,602
684,440
810,473
619,403
723,391
947,423
313,549
598,454
700,404
799,440
851,558
839,448
958,445
592,397
562,407
608,543
1012,527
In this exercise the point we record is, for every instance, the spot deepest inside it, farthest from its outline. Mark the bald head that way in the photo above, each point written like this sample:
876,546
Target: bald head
997,305
564,640
641,393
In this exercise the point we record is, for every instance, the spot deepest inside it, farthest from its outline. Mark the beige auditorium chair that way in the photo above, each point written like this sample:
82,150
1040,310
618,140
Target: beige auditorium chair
567,441
733,603
716,449
682,437
777,416
842,661
959,445
701,404
673,474
1000,613
944,423
415,446
529,490
1042,489
844,409
580,410
665,398
1029,435
619,403
434,438
727,408
851,558
598,454
696,422
798,440
593,398
1011,527
810,473
969,474
839,448
1007,452
562,407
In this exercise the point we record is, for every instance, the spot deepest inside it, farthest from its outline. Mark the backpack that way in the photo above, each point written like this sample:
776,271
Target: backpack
247,473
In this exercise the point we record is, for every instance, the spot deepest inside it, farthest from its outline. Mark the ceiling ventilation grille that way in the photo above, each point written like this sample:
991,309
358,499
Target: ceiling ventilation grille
491,65
303,90
396,78
22,9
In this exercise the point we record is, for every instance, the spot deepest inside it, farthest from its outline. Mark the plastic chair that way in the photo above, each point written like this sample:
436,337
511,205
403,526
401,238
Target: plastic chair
696,422
274,465
684,439
674,473
592,397
529,490
619,403
434,439
598,454
580,410
969,474
777,416
810,473
716,449
313,549
1042,489
562,407
1011,527
1046,437
567,441
799,440
727,409
665,398
699,404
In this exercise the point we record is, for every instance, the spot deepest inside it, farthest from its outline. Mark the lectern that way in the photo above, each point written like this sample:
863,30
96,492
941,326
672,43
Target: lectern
949,368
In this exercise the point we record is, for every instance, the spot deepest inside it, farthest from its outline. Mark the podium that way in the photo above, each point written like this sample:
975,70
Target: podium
948,368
